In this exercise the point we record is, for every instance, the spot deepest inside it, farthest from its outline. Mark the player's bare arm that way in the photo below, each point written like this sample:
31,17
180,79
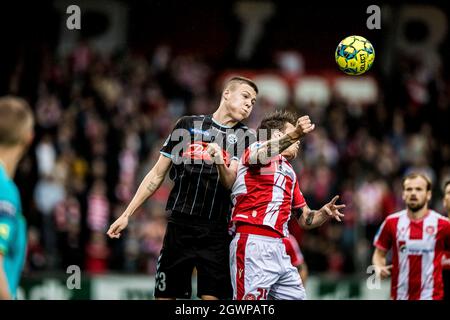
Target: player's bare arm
227,174
276,146
4,291
379,262
147,188
310,219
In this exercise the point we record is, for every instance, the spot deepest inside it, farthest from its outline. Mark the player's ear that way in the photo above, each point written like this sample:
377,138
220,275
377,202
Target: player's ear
428,195
29,138
226,94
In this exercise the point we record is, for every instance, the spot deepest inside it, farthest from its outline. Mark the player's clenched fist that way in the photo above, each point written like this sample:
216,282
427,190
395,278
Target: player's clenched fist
304,126
116,228
215,153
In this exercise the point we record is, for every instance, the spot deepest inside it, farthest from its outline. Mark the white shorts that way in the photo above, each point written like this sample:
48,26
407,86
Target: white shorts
261,269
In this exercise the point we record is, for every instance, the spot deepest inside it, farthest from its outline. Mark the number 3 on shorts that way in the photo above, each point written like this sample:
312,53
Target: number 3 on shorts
161,281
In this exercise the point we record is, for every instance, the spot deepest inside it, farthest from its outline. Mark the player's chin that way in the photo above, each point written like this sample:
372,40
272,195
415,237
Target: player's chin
239,116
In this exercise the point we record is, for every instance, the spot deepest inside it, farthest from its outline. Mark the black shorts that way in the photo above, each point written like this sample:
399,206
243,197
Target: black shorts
188,245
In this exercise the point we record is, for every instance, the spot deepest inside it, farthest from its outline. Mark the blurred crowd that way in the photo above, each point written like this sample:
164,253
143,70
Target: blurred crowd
101,120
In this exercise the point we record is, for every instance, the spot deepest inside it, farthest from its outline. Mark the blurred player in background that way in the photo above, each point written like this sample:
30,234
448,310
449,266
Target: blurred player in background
418,237
199,204
446,257
264,195
16,134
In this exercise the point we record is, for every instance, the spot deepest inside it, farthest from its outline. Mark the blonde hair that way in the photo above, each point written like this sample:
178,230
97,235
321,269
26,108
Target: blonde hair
241,80
414,175
16,118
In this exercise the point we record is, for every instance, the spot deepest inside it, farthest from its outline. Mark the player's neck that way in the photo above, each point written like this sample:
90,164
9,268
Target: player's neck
223,117
418,215
9,157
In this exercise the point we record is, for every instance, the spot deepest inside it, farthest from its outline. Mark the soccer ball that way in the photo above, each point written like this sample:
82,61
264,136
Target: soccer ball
354,55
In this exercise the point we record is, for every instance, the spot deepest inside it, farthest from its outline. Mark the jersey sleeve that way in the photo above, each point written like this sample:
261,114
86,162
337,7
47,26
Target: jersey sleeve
175,137
384,237
298,201
7,227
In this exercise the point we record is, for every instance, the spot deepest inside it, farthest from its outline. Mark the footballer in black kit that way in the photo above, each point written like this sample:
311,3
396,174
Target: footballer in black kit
201,154
199,206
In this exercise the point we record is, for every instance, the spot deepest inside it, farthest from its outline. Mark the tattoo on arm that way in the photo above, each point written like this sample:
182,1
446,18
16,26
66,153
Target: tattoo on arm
152,186
274,147
277,146
310,217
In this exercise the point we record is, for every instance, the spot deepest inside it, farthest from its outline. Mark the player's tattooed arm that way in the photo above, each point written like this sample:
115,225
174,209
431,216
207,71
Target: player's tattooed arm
277,146
273,147
149,184
310,217
306,218
298,214
151,187
315,218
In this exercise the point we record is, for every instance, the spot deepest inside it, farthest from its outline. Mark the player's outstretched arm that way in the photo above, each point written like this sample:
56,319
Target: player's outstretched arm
148,186
4,288
276,146
379,262
310,219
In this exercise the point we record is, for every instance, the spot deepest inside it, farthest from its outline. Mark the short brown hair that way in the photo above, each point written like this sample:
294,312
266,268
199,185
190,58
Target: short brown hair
240,80
414,175
15,118
276,121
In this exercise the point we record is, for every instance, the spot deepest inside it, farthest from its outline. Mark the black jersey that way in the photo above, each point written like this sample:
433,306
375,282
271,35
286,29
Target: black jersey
197,191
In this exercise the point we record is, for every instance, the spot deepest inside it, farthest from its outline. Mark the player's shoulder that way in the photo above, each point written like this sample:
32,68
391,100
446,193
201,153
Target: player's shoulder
188,119
395,216
441,218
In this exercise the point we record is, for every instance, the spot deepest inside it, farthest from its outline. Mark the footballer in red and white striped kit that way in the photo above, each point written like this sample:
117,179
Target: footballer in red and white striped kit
418,237
264,194
446,257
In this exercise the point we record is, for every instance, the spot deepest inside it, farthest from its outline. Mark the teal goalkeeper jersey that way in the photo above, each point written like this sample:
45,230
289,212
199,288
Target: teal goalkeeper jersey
13,241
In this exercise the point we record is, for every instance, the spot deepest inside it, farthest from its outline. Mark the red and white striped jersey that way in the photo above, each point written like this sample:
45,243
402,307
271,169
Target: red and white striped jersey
417,250
265,194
